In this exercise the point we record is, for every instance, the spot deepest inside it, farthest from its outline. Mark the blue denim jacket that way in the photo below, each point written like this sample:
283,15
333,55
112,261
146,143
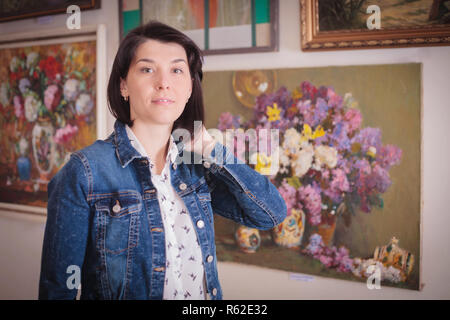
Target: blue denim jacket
120,254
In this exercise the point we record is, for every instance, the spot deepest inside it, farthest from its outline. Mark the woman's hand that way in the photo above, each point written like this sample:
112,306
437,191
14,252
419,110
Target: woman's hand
202,142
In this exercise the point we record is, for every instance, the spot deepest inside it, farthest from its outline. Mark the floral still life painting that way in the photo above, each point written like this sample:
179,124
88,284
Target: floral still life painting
338,163
47,111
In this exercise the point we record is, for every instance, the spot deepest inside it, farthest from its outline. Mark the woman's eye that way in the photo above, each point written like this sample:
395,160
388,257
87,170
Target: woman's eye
147,70
177,70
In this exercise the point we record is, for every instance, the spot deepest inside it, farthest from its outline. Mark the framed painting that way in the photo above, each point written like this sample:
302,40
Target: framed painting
365,24
16,10
346,158
52,102
216,26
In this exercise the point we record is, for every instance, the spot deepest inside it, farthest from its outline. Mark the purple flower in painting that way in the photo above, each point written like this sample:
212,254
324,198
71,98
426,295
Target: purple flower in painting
321,111
306,110
228,121
368,137
24,84
314,246
339,137
379,179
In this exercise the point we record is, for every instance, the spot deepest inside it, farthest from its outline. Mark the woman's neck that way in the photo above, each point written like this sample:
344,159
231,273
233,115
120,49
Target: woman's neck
155,140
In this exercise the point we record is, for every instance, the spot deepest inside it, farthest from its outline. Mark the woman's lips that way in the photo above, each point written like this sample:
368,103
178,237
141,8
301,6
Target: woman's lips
163,101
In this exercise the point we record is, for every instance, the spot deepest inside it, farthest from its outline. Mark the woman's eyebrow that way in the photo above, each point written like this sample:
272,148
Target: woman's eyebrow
153,61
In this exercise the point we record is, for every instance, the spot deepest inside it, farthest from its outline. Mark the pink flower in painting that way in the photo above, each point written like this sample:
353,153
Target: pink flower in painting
52,96
64,135
288,193
334,100
339,184
389,155
353,118
18,107
327,261
313,203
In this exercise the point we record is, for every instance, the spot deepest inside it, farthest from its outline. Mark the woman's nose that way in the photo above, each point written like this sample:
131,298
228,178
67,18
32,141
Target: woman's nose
162,82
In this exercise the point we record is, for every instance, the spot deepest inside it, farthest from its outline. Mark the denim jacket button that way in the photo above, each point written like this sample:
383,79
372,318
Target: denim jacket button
214,292
210,259
200,224
183,186
117,207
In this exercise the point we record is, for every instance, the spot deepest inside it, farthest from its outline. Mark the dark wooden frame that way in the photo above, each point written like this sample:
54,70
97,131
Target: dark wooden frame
45,11
274,31
312,39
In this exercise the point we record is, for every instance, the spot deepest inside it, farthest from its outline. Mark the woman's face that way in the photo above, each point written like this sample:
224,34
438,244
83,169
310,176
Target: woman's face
158,83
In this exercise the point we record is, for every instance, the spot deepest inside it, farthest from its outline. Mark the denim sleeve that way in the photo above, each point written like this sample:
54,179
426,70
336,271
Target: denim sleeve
241,194
66,232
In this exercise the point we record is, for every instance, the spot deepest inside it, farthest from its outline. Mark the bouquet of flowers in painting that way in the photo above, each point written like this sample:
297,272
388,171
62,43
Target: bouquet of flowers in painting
47,107
326,165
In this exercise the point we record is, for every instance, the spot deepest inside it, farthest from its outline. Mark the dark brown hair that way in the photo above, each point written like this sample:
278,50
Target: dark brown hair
194,109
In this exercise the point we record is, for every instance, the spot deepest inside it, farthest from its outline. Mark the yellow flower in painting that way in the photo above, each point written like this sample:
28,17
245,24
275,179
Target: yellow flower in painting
263,164
296,94
273,113
308,134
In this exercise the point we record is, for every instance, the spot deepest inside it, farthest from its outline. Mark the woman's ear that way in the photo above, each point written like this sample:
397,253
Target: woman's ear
123,88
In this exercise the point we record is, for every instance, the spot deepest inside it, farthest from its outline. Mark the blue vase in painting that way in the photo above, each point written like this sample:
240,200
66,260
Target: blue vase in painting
24,168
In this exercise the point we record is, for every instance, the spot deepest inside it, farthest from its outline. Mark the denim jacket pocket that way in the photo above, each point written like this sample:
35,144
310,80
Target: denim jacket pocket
117,214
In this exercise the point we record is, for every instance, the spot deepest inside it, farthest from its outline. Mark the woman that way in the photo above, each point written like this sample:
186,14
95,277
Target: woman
133,220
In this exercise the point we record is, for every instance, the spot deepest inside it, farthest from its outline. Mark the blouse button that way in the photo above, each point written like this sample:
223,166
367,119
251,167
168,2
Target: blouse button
206,164
200,224
183,186
117,207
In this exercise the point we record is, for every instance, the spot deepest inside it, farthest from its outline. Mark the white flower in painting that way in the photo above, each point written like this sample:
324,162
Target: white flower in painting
24,84
32,59
32,104
303,161
84,104
325,155
71,88
14,64
291,141
4,94
284,158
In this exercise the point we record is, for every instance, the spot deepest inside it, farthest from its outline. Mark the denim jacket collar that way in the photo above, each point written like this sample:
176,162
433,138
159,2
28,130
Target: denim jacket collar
124,150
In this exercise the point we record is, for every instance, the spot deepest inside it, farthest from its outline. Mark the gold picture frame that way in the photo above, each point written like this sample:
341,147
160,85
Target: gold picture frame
313,39
30,197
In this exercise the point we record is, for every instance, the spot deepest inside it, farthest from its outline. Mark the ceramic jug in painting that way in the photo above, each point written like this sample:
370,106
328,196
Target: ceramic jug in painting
24,168
248,239
23,163
290,232
43,146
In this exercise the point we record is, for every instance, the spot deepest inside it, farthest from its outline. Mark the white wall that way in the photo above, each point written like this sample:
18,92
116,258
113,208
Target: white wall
21,236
